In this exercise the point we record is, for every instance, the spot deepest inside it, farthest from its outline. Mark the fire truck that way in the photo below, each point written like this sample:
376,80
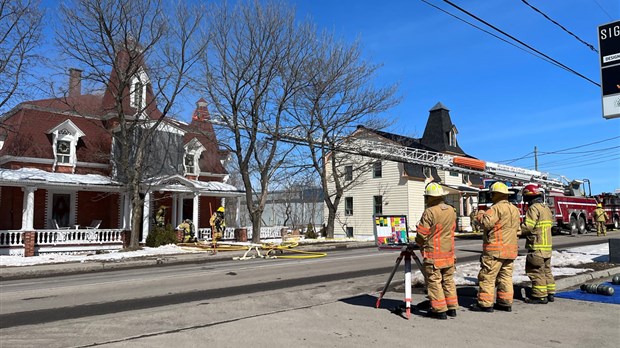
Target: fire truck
611,205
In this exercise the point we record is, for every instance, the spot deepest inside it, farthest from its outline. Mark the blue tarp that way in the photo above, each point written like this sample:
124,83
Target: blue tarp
585,296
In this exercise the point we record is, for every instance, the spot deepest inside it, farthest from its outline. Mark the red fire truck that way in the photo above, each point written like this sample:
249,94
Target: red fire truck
611,204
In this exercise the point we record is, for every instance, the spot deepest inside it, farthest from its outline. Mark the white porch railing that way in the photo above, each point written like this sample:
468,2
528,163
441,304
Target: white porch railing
79,240
229,233
80,236
62,241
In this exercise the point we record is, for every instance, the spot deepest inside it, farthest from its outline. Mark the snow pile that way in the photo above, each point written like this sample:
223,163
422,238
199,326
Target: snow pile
84,257
561,260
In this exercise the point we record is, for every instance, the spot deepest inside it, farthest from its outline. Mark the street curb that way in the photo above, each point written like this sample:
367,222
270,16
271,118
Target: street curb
569,282
61,269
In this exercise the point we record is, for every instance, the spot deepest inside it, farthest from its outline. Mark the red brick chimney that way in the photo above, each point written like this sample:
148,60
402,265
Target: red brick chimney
75,82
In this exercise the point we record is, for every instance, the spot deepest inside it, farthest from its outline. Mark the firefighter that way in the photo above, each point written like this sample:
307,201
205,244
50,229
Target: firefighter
188,231
600,216
160,217
475,227
435,235
218,224
500,226
537,229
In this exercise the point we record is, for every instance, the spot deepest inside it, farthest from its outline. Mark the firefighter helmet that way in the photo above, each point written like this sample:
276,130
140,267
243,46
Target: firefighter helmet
599,205
434,190
531,190
220,209
499,187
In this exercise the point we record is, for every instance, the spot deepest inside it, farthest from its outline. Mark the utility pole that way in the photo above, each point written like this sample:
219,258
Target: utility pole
535,158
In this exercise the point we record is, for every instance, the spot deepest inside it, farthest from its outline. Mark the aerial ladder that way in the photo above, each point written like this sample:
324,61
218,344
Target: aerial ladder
369,147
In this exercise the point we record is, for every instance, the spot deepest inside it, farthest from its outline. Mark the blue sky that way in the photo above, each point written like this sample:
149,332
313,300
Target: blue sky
503,101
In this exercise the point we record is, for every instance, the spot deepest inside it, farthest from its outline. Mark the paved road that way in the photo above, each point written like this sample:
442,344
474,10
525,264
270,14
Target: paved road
317,302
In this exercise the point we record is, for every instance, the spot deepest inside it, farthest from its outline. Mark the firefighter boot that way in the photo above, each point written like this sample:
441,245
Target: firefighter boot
503,308
550,298
536,300
478,308
437,315
451,313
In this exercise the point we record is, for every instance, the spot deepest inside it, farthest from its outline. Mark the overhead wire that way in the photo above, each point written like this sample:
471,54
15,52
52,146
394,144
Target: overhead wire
601,7
488,32
557,63
560,25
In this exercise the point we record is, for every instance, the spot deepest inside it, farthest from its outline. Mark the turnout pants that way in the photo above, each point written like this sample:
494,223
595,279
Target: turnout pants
601,228
495,271
441,288
538,268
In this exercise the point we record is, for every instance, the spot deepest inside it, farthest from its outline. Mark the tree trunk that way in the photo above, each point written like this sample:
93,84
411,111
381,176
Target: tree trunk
256,216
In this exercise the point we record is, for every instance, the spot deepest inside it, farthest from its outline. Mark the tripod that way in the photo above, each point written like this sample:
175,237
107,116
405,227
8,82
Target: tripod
407,253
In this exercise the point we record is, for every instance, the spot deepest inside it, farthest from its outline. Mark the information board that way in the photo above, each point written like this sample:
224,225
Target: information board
391,231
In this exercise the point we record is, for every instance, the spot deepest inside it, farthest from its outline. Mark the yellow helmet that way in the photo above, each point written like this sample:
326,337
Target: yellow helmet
434,190
599,205
500,187
220,209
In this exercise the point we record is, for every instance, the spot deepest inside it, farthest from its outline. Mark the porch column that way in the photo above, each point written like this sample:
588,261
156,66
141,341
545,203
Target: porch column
28,209
174,221
238,213
146,221
195,210
127,211
179,209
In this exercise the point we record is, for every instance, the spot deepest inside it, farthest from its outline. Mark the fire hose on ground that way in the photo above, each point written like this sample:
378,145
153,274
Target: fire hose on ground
270,250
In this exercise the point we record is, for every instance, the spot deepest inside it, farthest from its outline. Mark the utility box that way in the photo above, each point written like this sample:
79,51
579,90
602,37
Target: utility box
614,250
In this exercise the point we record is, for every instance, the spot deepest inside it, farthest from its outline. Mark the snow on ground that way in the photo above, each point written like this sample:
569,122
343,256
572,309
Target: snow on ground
466,274
561,260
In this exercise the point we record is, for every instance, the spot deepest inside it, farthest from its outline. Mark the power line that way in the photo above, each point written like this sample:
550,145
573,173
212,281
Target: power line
584,163
584,145
521,42
580,152
607,13
488,32
560,25
563,151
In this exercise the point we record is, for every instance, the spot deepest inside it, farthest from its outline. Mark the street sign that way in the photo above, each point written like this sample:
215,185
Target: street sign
609,48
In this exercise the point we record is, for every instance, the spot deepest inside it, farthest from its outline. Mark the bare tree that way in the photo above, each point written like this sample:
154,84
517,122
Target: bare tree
252,71
340,95
144,52
20,35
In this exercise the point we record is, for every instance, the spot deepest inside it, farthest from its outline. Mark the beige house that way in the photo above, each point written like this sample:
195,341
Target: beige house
394,188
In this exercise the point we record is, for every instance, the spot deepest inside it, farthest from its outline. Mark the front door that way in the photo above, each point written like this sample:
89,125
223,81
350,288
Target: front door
61,209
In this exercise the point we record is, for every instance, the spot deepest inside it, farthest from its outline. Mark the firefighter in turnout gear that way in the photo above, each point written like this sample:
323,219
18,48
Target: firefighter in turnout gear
435,235
500,226
600,217
218,224
537,229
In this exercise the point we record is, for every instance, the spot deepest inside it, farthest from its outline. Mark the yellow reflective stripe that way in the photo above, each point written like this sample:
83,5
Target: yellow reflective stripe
540,287
529,222
551,286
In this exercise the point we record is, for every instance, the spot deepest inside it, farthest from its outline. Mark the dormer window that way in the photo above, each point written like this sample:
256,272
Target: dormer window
137,92
193,150
65,137
452,136
190,163
63,151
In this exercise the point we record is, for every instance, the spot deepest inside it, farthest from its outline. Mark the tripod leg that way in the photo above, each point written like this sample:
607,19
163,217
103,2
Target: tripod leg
387,284
408,285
